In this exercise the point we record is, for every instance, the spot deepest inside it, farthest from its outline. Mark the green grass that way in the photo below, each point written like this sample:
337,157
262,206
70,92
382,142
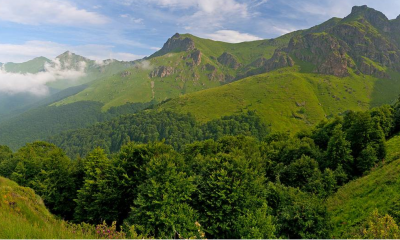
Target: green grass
116,90
355,201
23,215
33,66
286,98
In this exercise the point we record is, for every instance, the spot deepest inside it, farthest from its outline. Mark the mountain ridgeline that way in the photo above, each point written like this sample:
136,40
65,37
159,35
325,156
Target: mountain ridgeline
293,137
292,82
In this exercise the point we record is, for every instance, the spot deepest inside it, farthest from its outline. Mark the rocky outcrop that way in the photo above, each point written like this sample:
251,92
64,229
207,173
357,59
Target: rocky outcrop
229,60
163,71
209,67
280,59
362,40
196,56
259,62
326,52
374,17
368,68
216,76
176,43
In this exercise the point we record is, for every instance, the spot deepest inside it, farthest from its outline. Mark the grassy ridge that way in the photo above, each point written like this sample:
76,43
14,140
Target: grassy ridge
287,98
135,85
354,202
23,215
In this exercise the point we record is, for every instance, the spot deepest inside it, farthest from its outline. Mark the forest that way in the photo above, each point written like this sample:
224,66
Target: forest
229,178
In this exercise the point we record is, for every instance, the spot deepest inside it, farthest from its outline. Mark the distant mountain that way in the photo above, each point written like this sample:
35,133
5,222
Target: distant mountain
93,69
32,66
293,81
185,64
342,64
13,104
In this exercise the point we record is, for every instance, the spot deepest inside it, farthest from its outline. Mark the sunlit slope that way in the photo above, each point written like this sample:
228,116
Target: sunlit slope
380,189
288,99
24,216
186,64
33,66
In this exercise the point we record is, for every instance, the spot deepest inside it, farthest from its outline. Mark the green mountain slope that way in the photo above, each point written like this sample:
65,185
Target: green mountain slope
185,64
342,64
288,99
33,66
23,215
380,189
189,64
91,70
293,81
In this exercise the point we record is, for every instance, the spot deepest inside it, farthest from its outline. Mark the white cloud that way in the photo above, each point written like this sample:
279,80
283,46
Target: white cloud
60,12
13,83
32,49
283,30
199,14
205,6
132,19
232,36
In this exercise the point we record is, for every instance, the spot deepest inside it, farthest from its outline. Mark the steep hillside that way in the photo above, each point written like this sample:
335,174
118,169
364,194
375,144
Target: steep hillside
43,121
288,99
363,44
293,81
185,64
92,69
380,189
342,64
33,66
23,215
65,64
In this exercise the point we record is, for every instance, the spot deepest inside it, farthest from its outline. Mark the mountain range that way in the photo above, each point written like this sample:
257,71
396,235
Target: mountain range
292,137
292,82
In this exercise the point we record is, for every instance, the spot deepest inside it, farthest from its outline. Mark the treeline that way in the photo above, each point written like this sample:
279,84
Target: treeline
43,122
234,187
148,126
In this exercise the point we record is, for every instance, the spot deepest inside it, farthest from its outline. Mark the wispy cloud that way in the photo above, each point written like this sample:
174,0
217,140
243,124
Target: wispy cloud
13,83
232,36
32,49
58,12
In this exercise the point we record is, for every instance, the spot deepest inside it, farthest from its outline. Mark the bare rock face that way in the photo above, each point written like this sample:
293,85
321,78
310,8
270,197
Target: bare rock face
229,60
215,76
370,69
363,41
376,18
163,71
280,59
327,53
210,67
176,44
259,62
196,56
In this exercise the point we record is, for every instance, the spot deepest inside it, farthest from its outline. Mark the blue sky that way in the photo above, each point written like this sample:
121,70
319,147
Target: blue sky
132,29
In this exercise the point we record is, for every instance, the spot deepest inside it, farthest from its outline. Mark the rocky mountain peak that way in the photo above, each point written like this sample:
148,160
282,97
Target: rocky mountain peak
359,9
176,43
374,17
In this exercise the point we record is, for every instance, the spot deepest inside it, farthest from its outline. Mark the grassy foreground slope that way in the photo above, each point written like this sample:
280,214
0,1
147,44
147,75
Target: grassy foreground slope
380,189
23,215
287,98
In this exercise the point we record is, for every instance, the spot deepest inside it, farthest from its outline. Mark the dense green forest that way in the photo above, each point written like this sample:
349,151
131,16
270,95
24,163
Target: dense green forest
45,121
175,129
271,185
